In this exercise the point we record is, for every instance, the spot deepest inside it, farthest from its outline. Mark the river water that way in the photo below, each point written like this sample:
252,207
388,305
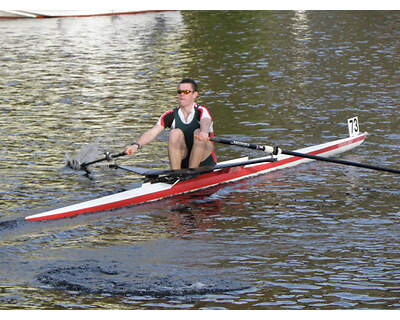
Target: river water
316,236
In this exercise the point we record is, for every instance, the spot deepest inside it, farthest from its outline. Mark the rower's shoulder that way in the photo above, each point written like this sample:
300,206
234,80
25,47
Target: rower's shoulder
204,111
200,106
167,118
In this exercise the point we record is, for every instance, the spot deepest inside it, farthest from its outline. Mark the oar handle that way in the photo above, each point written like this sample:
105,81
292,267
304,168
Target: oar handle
121,154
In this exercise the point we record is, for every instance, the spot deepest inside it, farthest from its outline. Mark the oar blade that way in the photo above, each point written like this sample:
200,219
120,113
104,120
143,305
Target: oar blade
74,164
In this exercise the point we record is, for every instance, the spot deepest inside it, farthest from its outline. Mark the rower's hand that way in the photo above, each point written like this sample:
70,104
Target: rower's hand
129,150
202,136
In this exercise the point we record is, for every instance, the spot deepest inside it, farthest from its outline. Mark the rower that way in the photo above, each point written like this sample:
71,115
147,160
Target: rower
187,120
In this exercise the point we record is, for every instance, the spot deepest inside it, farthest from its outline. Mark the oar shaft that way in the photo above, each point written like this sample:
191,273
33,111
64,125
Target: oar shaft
275,150
340,161
108,157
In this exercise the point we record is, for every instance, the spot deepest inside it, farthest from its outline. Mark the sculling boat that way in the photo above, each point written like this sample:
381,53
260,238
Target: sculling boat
159,184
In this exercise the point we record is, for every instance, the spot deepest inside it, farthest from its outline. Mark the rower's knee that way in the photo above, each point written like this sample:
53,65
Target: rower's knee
176,136
177,149
177,140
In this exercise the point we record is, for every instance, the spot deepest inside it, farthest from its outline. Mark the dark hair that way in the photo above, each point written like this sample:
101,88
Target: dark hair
192,82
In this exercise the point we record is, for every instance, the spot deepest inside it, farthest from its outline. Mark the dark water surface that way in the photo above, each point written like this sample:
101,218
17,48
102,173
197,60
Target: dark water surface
316,236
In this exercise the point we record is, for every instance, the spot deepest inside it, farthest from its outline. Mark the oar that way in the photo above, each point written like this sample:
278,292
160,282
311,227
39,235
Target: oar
275,150
75,165
191,171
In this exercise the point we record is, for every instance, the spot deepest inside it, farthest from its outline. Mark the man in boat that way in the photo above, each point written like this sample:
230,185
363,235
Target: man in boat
185,122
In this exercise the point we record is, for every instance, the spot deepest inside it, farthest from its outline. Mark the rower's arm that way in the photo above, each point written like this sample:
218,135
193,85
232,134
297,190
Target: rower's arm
205,124
147,137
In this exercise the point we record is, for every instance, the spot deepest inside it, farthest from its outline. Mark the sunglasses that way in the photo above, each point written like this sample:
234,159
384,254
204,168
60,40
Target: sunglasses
184,91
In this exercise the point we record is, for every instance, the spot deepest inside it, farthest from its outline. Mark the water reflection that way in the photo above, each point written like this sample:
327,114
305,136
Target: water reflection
301,52
319,236
79,75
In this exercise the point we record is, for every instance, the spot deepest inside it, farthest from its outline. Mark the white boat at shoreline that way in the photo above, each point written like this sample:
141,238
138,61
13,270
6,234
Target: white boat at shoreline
41,14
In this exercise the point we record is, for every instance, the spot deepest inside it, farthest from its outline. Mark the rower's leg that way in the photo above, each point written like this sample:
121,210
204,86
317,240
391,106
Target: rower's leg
201,150
177,149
